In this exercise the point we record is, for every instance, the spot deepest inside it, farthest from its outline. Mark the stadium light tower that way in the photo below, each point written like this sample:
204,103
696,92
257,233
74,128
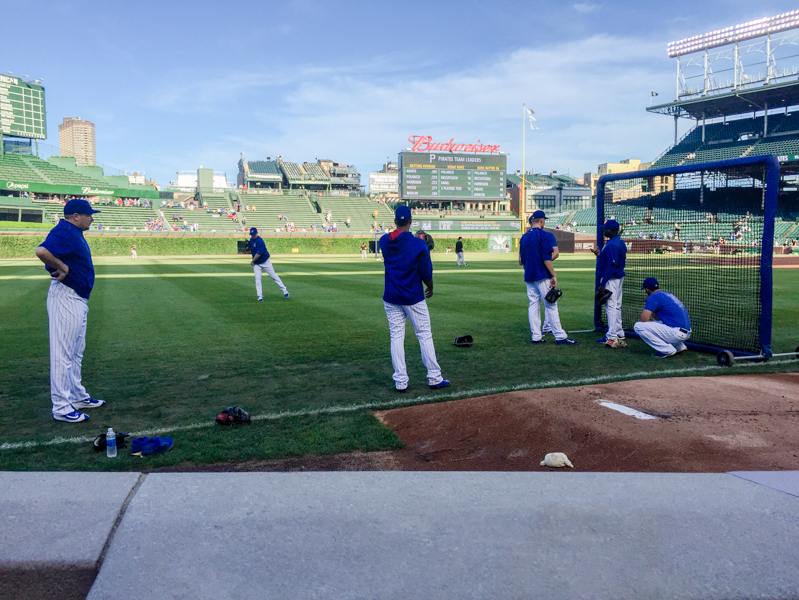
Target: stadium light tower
728,41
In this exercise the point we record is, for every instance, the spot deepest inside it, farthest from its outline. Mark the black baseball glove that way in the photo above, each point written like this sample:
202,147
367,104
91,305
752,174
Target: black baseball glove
602,296
552,295
100,441
233,415
463,341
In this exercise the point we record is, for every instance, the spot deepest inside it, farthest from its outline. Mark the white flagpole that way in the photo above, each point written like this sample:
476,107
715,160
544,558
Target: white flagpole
522,199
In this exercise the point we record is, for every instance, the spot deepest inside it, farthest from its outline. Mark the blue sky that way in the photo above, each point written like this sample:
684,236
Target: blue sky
172,86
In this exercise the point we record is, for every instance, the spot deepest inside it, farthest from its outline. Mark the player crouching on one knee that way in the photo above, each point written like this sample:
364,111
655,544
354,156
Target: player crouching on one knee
537,250
666,335
610,266
408,265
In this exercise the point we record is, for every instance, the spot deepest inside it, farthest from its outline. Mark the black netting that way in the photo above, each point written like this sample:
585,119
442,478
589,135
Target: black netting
700,235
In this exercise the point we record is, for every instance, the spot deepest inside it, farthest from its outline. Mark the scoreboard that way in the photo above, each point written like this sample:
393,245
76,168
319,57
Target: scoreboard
450,176
22,111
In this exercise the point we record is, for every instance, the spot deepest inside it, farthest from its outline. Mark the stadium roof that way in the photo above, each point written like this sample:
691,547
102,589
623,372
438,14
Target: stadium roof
774,95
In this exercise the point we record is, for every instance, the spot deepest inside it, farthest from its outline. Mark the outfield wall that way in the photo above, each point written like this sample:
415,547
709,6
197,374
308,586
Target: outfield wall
24,245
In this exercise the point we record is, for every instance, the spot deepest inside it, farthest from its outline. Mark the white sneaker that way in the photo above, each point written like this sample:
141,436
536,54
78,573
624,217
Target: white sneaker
71,417
88,403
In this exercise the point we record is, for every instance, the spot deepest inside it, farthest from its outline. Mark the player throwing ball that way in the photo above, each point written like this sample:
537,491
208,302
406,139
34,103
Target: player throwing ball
408,265
67,257
610,265
666,335
537,250
261,264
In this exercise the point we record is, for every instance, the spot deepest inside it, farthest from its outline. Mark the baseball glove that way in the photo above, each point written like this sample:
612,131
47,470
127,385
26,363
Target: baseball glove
100,442
602,296
463,341
552,295
233,415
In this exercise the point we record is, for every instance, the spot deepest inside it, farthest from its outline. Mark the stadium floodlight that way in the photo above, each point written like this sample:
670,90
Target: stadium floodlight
736,33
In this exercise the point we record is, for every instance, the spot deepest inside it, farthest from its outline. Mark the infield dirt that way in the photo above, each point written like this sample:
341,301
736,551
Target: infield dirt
702,425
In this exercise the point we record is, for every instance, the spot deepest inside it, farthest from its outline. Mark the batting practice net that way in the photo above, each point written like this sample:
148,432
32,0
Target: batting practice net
706,232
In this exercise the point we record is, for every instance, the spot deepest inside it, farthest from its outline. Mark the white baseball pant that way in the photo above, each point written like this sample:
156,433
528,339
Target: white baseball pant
133,254
266,267
536,292
613,308
665,339
363,254
461,261
420,320
67,313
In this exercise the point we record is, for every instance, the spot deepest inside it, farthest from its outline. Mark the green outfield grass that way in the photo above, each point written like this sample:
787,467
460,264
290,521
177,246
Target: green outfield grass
172,341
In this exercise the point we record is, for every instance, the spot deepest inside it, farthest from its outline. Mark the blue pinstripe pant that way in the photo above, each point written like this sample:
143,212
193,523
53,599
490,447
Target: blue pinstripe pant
67,312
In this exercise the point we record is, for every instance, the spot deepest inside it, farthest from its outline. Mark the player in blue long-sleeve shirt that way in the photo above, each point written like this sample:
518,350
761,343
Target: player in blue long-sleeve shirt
610,265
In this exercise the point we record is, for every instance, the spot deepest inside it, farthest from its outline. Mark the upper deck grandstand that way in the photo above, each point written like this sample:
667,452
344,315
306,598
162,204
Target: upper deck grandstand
274,176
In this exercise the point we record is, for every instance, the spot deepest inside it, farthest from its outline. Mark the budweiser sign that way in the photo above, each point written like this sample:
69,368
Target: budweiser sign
424,143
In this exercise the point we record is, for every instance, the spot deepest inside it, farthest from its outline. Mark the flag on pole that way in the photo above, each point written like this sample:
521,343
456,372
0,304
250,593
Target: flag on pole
654,93
530,113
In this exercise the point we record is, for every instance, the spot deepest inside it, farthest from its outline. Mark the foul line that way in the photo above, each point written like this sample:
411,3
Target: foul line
404,402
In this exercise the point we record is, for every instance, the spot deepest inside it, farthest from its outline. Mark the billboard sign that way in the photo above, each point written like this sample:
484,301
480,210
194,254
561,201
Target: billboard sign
450,176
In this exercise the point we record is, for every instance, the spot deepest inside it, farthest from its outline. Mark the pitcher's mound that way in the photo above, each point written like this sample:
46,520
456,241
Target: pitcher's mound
701,424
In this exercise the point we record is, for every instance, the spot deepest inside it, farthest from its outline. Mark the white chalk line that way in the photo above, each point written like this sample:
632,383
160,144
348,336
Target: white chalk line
404,402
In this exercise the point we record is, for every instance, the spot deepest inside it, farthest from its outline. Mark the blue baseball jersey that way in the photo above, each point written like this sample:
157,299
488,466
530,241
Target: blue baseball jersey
258,246
612,260
668,309
407,262
535,247
66,242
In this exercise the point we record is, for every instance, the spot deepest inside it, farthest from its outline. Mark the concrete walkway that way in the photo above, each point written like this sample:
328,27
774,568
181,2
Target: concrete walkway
407,534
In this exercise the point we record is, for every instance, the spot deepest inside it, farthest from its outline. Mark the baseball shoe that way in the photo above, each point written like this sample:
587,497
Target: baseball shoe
71,417
88,403
662,354
441,384
260,299
566,342
681,348
602,340
286,295
401,390
543,340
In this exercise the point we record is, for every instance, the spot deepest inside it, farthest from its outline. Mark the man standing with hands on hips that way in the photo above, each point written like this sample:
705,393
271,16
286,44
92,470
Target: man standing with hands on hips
610,266
260,263
537,250
67,257
672,327
408,265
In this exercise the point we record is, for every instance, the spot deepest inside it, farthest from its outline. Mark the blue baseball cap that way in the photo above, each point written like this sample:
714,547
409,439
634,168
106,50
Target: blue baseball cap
78,207
253,231
650,283
612,224
403,213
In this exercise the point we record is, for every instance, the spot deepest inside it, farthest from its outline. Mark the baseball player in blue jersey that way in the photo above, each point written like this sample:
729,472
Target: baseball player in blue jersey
67,257
260,263
408,265
610,265
537,250
672,327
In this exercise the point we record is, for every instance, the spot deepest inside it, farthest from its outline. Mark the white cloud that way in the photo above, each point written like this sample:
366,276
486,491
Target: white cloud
585,7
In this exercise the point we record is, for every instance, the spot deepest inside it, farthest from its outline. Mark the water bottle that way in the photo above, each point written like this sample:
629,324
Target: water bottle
111,443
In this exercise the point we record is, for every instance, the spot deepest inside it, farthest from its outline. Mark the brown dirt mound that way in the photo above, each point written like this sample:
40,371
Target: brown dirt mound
703,424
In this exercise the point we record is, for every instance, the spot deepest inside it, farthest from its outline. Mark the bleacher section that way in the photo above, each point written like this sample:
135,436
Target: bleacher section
269,207
360,209
315,172
126,217
265,167
292,171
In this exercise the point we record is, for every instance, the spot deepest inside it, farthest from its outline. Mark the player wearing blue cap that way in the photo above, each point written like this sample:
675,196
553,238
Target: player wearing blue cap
666,335
610,265
408,265
537,250
260,263
67,257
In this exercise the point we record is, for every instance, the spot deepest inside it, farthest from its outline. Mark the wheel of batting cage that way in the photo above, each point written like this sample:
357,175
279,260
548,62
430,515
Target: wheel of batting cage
725,358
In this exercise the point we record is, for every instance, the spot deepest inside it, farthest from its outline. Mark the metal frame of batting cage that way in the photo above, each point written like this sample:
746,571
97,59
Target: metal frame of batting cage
772,180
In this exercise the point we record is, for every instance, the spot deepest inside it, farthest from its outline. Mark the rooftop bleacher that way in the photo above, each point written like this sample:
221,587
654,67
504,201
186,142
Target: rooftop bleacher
315,172
264,167
293,171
